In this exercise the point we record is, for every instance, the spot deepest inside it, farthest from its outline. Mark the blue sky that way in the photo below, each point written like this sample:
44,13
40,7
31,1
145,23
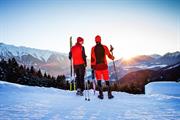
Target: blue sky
131,26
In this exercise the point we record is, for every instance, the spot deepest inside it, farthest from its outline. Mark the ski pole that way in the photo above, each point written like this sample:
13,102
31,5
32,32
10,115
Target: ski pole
74,79
85,90
70,64
85,87
111,50
88,90
94,82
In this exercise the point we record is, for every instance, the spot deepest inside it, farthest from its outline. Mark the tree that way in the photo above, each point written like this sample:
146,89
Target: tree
12,71
39,74
32,70
45,75
14,62
49,76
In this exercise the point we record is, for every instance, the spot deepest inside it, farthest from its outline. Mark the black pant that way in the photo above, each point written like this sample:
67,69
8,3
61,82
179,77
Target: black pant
80,72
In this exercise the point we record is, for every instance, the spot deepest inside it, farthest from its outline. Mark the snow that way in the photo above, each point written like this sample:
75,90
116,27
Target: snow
165,88
175,54
154,66
173,67
143,66
23,102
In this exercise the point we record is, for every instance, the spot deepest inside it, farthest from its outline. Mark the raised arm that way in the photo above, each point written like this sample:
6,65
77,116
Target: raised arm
107,52
84,56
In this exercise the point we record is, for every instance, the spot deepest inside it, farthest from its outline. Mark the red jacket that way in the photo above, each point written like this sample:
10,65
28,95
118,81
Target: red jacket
98,57
77,53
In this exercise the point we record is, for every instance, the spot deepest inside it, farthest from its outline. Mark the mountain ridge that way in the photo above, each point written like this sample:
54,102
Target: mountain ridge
48,61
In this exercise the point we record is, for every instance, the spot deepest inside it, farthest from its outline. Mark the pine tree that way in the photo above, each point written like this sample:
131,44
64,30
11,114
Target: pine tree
39,74
45,75
49,76
60,82
32,70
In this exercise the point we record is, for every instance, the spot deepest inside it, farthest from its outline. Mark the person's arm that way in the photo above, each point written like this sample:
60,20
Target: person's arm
92,59
107,52
70,55
84,56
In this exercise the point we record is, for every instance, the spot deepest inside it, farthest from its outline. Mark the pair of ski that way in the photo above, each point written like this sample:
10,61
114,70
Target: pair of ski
71,69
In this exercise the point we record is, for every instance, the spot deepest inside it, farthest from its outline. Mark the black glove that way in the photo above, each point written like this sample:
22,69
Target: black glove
85,64
70,55
92,67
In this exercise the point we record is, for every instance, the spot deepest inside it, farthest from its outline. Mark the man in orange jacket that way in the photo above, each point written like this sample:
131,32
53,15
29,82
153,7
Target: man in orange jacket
78,55
99,64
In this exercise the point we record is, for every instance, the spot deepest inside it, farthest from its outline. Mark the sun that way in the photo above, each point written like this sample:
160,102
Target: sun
127,56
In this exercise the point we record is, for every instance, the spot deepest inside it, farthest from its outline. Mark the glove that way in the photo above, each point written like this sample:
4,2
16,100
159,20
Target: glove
113,58
92,67
85,65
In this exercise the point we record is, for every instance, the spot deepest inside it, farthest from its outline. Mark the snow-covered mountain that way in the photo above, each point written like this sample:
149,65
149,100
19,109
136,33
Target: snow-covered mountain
11,50
52,62
38,103
169,58
153,62
56,63
134,82
155,56
155,59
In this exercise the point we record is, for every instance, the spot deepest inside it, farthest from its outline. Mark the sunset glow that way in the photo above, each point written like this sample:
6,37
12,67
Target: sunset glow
132,27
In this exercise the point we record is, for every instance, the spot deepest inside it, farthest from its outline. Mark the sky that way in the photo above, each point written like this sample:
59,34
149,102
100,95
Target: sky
133,27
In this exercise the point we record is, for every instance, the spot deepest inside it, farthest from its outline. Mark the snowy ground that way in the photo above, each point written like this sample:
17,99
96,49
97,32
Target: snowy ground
19,102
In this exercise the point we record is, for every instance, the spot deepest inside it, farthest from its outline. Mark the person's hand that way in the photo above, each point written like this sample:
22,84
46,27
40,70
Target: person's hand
92,67
85,65
113,57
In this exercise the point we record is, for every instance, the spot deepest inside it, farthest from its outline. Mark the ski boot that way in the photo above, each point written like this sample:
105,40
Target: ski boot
78,92
100,96
81,93
110,96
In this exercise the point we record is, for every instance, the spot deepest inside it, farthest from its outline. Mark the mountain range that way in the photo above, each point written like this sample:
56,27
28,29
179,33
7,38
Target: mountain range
135,82
56,63
53,63
141,62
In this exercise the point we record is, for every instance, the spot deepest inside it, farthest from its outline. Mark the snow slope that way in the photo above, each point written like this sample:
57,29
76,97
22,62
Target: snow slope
19,102
165,88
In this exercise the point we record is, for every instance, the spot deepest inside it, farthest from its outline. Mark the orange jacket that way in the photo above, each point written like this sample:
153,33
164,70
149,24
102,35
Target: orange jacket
98,57
77,53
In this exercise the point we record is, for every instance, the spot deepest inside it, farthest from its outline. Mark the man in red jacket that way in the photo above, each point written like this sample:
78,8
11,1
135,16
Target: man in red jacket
77,54
99,64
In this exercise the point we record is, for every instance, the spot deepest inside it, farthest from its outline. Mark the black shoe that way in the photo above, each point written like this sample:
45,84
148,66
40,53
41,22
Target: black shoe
78,92
100,96
110,96
81,93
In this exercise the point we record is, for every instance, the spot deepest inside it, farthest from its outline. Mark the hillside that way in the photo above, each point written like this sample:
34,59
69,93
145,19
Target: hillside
51,62
135,82
143,62
39,103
